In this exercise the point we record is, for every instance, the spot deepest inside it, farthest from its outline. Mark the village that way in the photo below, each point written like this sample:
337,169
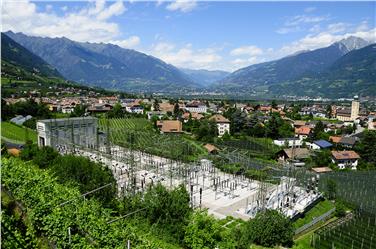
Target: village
301,131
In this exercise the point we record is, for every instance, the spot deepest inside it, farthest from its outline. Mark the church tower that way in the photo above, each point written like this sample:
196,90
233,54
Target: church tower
355,108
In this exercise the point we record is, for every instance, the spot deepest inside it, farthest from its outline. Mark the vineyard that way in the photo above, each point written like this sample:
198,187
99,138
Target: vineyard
81,223
17,134
357,189
358,232
254,147
130,124
138,134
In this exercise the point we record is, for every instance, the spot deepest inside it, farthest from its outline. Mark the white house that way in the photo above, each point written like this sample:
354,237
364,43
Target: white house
158,114
138,109
196,106
289,142
223,124
345,159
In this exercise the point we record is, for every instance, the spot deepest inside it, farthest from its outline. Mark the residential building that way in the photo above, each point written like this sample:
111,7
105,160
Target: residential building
320,144
158,114
345,159
196,106
135,108
170,126
288,142
293,154
303,132
223,124
193,115
348,142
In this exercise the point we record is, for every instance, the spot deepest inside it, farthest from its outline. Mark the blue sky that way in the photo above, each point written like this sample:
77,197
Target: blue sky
210,35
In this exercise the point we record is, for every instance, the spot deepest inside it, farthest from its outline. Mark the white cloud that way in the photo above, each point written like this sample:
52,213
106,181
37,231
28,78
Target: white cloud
49,8
241,62
246,50
182,5
325,39
90,23
337,27
131,42
301,19
286,30
187,56
300,22
309,9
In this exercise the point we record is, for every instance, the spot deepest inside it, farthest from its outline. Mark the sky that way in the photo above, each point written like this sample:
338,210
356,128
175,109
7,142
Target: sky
196,34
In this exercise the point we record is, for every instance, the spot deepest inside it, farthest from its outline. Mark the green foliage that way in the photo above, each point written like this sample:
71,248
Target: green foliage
40,192
205,232
44,156
322,158
269,228
116,112
207,131
85,174
319,209
340,209
367,149
24,108
331,189
78,111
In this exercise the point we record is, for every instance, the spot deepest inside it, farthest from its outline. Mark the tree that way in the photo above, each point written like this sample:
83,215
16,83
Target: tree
367,148
45,156
156,105
87,175
205,232
269,228
176,110
319,128
274,104
116,112
331,189
78,111
328,111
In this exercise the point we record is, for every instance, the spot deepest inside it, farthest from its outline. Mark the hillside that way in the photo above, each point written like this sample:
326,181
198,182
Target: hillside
14,55
315,72
106,65
352,74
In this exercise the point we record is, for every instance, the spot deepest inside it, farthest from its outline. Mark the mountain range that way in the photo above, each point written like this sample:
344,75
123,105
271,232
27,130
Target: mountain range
106,65
342,69
316,72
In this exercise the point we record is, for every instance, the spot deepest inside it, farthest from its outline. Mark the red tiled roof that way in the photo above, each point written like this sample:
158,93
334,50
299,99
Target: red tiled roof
304,130
346,154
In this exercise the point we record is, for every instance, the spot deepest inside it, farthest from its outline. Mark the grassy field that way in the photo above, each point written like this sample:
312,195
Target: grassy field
18,134
319,209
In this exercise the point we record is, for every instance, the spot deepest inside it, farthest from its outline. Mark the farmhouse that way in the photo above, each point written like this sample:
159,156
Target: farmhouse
293,154
169,126
303,132
223,124
345,159
288,142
